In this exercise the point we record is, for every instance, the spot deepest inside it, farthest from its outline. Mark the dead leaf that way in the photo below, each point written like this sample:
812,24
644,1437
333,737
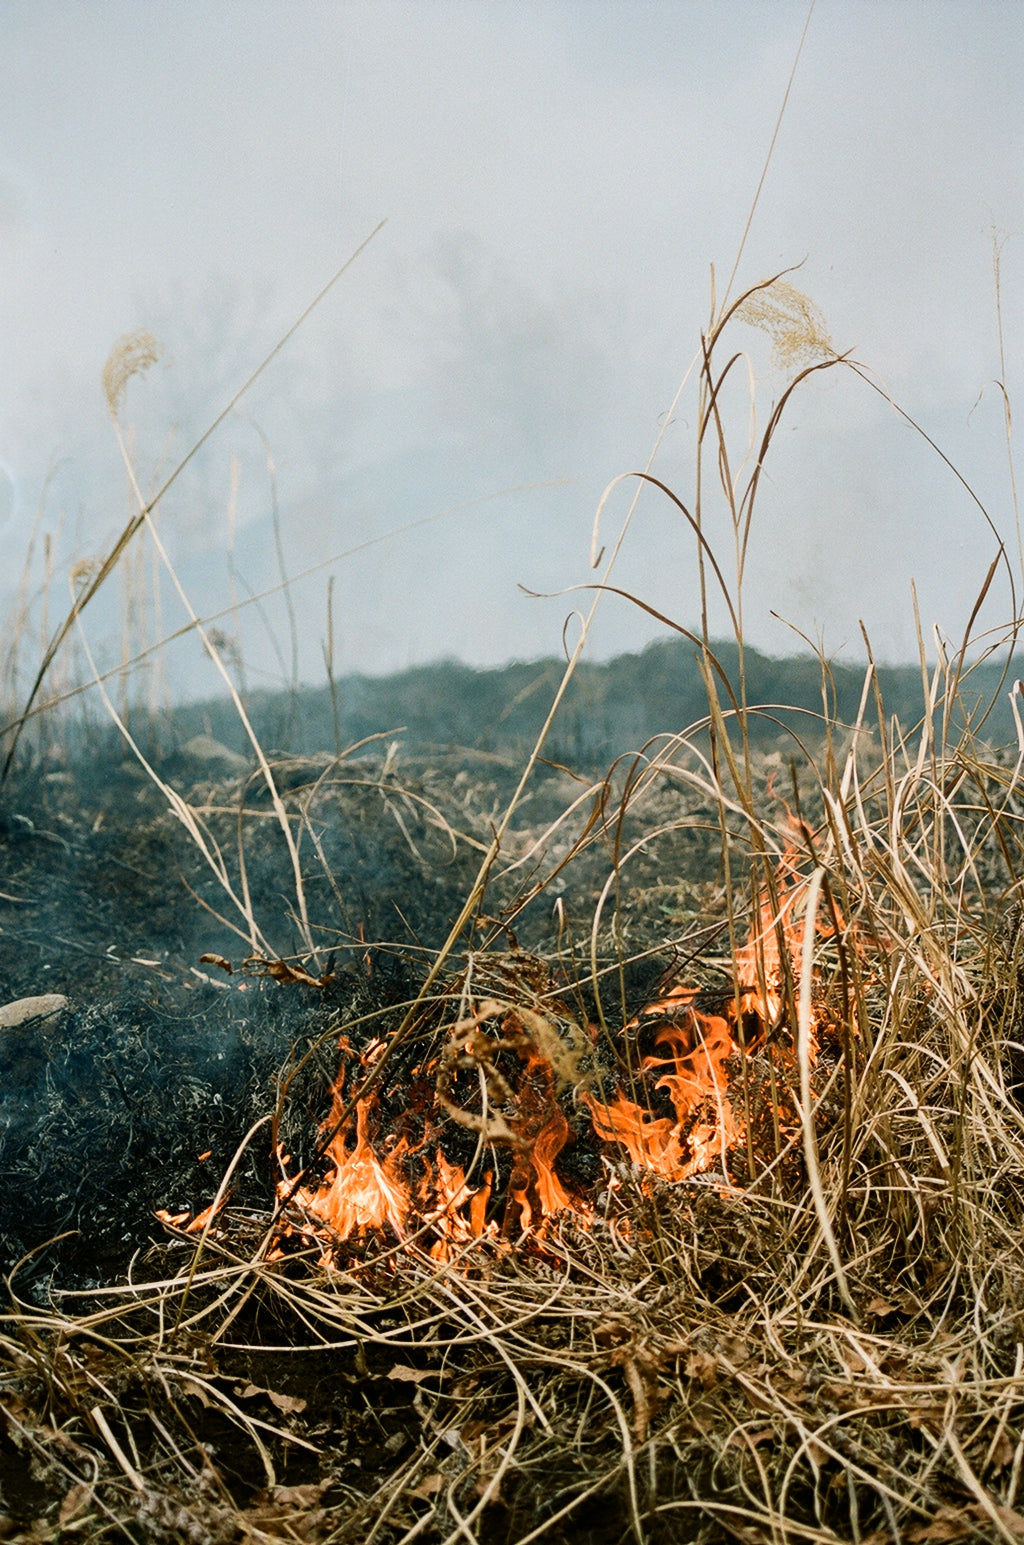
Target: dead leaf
75,1500
16,1414
428,1486
752,1439
641,1373
961,1523
610,1333
283,971
1002,1451
791,1387
286,1403
1008,1516
880,1309
817,1454
188,1387
282,1402
703,1367
275,1522
300,1496
217,960
947,1524
736,1350
931,1418
405,1375
286,1513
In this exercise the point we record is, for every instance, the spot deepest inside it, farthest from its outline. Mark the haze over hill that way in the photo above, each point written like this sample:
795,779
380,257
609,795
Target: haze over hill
610,709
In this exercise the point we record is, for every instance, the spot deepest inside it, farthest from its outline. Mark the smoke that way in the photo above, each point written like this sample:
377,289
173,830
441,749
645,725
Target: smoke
7,493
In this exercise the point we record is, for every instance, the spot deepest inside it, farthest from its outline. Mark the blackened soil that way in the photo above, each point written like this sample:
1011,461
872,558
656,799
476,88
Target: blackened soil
140,1094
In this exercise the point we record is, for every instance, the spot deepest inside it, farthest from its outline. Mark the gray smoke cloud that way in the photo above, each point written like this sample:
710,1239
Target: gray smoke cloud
558,180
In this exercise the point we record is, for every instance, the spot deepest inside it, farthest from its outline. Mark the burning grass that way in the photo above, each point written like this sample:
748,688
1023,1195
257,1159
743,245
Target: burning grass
730,1251
765,1281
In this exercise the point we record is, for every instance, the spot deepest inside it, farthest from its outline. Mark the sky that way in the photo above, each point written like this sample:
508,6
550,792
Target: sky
559,183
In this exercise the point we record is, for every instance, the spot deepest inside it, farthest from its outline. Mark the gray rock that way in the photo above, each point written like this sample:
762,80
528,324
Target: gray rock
46,1010
213,758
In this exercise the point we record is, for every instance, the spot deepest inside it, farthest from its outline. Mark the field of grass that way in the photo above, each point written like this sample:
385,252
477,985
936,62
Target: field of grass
809,1329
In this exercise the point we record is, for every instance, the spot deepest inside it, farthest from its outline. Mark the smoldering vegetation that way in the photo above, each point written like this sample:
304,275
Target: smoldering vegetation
160,1056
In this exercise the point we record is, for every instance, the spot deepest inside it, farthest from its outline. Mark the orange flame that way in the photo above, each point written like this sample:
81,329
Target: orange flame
535,1188
365,1192
696,1081
775,940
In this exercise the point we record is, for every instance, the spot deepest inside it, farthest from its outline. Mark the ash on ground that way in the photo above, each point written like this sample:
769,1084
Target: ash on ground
137,1093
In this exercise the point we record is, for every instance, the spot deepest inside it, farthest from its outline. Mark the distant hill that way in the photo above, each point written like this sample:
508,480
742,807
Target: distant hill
609,709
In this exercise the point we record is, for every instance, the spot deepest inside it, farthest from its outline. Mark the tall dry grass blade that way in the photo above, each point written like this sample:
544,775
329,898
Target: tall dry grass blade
110,562
182,810
771,151
810,1141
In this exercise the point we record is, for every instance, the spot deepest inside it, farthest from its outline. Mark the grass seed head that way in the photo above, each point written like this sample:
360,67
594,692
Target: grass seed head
132,355
792,321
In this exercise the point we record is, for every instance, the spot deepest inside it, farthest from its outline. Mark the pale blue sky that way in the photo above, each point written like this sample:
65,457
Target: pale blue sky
557,180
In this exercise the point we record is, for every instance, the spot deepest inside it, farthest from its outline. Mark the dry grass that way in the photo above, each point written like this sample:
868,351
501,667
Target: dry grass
829,1349
821,1341
824,1342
